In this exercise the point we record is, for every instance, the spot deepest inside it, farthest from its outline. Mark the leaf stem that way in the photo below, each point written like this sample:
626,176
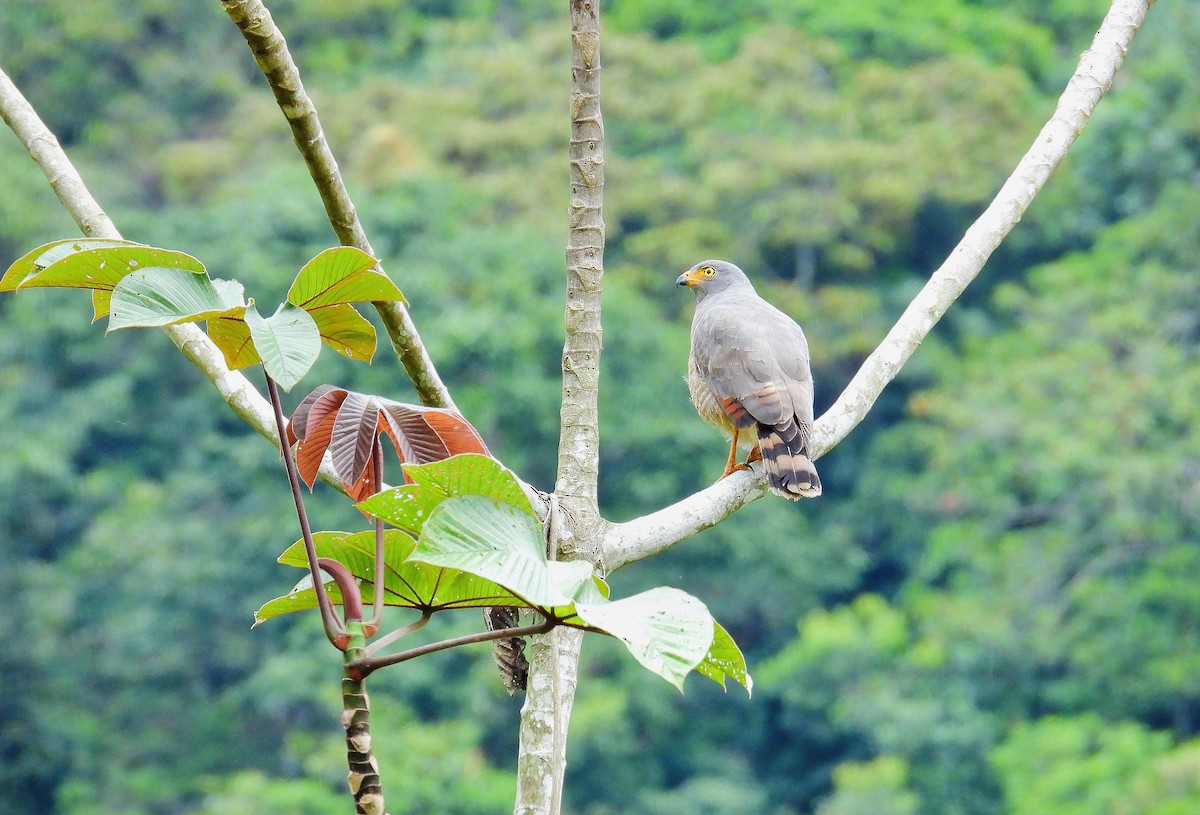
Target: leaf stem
334,629
372,625
352,608
404,631
365,667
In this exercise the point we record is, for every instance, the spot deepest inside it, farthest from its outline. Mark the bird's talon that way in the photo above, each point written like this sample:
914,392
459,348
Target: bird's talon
731,470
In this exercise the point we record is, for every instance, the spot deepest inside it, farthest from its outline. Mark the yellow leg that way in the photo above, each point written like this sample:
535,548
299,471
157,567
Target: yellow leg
732,466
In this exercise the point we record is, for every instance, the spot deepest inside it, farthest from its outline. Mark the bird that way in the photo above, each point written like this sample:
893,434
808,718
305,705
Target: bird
748,373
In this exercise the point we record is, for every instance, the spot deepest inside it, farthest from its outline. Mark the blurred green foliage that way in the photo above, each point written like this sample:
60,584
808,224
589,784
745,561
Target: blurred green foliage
994,609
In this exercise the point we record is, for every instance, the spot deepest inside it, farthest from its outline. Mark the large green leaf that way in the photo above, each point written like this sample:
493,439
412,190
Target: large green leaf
287,341
494,540
96,264
159,296
345,330
724,659
409,506
471,474
340,275
407,583
667,630
84,268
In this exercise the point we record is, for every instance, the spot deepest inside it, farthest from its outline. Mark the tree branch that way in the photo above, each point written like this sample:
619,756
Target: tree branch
237,392
642,537
271,53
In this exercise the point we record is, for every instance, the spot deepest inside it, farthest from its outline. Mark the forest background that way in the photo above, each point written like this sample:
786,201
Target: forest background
993,609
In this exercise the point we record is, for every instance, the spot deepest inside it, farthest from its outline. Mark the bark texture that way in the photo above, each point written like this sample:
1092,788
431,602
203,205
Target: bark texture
575,527
363,775
542,761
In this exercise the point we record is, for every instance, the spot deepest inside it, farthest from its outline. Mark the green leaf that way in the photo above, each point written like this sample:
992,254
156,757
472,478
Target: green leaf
410,506
494,540
340,275
667,630
408,583
407,507
287,341
298,599
346,331
232,336
94,264
724,659
160,296
575,580
471,474
48,254
101,303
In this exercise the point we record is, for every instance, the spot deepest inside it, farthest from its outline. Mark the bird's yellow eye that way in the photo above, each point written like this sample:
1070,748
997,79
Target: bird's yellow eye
708,271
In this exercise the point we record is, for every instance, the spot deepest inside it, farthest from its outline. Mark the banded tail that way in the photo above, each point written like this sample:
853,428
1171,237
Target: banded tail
790,472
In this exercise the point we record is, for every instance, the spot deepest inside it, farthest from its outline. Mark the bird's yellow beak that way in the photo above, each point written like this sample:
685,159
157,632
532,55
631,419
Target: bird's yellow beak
689,278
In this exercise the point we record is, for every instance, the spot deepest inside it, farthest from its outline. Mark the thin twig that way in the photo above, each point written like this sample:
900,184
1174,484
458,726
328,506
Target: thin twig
333,627
377,486
270,51
645,536
390,637
365,667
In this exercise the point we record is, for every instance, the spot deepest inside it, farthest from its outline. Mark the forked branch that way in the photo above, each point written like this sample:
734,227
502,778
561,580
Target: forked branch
1092,79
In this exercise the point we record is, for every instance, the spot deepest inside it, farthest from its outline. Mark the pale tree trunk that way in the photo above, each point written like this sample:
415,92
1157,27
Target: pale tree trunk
576,528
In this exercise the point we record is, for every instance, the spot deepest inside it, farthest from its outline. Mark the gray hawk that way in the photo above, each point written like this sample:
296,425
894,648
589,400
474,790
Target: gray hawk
748,370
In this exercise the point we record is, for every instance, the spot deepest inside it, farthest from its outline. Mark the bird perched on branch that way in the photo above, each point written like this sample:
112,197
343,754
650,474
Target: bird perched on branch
749,376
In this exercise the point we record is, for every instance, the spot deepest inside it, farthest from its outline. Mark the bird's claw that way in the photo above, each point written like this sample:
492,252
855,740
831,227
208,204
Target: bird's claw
731,470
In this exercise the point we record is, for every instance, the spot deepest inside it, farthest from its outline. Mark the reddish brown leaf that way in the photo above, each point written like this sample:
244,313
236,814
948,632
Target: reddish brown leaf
298,426
311,451
431,434
354,436
419,444
364,487
315,429
347,424
455,432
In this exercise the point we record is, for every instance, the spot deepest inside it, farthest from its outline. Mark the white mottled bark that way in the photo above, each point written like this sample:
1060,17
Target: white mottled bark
577,529
542,762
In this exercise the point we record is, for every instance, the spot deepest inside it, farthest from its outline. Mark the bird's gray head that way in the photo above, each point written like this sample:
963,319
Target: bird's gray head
712,276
